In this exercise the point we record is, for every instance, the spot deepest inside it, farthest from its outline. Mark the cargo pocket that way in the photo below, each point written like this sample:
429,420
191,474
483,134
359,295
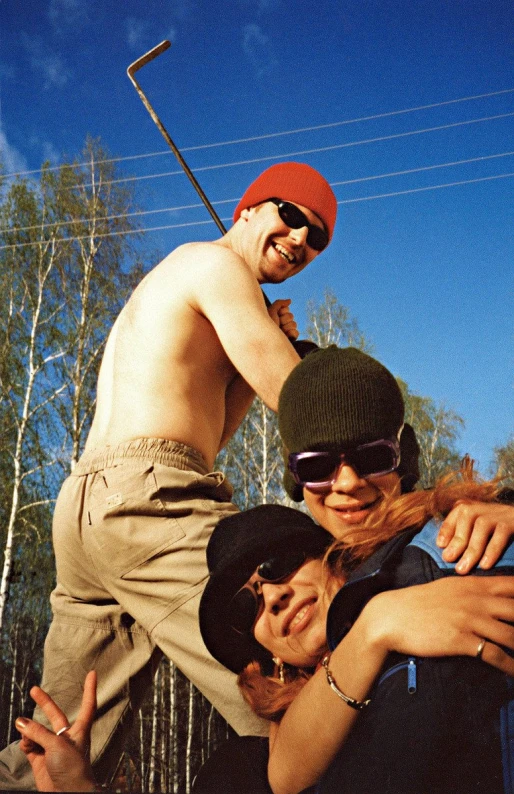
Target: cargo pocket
128,521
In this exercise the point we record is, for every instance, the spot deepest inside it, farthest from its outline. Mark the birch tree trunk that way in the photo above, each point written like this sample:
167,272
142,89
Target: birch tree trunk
153,740
173,718
190,733
28,392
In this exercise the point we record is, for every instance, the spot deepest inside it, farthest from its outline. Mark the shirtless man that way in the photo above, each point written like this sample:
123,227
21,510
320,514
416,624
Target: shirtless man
181,366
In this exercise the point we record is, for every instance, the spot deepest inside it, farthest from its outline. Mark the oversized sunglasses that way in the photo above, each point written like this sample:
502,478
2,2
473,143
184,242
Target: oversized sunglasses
293,217
244,607
318,470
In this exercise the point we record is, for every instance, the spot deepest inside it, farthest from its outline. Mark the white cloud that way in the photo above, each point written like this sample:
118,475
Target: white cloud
12,161
68,13
49,64
137,31
50,153
46,149
142,35
257,47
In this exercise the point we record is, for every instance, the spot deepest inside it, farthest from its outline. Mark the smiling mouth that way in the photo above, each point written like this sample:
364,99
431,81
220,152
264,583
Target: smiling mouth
284,253
298,617
355,508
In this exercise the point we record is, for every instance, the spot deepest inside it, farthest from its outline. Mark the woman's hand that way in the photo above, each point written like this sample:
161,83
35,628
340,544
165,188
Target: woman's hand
60,763
477,532
448,617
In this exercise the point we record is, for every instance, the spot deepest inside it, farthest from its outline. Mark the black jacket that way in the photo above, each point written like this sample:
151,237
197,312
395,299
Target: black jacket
434,726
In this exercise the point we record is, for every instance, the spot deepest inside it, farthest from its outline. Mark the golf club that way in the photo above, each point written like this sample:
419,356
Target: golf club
132,69
302,346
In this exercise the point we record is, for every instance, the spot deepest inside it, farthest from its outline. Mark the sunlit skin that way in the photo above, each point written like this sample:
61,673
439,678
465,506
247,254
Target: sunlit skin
349,500
195,341
292,621
273,251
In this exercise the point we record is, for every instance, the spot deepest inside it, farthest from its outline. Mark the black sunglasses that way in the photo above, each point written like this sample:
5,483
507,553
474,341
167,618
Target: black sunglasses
293,217
318,470
245,606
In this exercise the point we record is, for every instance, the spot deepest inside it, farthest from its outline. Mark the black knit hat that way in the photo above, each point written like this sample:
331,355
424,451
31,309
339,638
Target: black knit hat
238,545
339,397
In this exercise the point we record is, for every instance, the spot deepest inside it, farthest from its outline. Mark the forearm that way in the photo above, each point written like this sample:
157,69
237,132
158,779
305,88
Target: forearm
318,722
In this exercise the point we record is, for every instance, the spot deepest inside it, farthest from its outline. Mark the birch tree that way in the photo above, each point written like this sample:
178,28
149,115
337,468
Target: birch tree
67,264
101,269
30,348
330,323
437,430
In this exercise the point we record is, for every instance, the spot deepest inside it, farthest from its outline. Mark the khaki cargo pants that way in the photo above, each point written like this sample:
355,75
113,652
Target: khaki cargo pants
130,531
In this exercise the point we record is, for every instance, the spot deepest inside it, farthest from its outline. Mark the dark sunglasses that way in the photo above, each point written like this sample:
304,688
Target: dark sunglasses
293,217
318,470
245,606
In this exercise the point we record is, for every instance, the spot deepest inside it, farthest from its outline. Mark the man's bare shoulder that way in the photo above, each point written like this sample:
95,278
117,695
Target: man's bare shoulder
205,254
211,266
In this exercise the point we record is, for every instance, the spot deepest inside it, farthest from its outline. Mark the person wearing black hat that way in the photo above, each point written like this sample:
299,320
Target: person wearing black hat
257,559
267,582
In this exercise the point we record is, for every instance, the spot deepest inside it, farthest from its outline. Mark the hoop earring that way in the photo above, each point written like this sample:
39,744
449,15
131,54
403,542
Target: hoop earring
281,673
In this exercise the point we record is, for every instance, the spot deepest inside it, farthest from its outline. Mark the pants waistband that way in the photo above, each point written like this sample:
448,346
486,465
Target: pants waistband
157,450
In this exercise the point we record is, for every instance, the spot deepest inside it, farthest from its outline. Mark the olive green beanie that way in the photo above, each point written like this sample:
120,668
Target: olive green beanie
339,397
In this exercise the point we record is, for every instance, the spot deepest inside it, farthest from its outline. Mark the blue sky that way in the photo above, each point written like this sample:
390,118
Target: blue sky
426,270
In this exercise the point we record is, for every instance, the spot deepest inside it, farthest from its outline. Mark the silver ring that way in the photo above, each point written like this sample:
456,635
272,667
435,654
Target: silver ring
480,649
66,728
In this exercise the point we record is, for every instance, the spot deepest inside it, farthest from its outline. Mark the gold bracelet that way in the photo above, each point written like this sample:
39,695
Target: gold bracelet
354,704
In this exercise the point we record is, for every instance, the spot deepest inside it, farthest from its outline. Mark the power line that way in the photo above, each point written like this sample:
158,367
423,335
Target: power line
271,134
308,151
177,208
224,220
422,168
430,187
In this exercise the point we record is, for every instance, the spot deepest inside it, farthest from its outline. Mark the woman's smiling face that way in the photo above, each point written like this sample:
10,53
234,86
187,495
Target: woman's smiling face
292,619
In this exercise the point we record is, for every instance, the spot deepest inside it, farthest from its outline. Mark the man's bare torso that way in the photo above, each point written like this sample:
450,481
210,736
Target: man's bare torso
164,373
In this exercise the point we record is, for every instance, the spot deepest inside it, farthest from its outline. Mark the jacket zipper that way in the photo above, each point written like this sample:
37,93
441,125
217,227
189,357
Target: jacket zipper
410,664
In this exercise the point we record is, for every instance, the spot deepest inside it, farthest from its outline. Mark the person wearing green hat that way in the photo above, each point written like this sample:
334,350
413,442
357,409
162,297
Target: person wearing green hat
342,420
355,462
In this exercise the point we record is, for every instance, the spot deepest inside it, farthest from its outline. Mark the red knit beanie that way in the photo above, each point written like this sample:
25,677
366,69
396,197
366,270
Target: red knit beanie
296,182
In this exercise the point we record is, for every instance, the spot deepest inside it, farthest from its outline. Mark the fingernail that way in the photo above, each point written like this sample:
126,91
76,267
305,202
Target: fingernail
461,566
440,541
484,562
21,722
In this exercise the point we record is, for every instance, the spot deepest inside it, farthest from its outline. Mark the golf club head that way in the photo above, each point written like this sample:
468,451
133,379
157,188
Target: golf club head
147,57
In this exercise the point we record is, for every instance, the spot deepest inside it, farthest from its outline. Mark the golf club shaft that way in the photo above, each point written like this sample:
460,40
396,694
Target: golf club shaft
134,67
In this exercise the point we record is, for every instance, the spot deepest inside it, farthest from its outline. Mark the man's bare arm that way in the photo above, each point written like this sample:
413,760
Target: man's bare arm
239,395
225,291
